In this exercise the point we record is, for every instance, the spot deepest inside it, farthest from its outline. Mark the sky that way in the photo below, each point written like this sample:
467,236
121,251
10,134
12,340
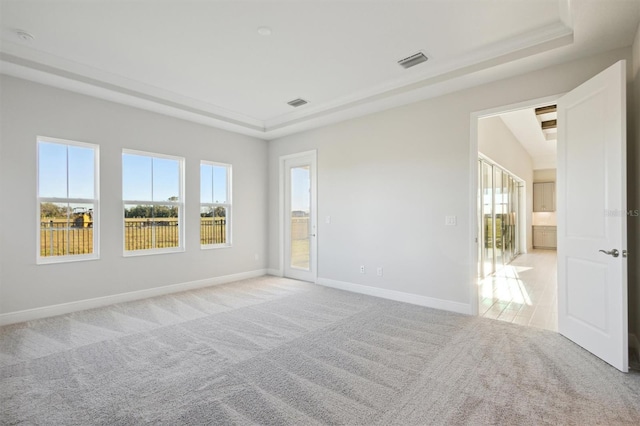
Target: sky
55,161
147,178
300,186
213,184
144,178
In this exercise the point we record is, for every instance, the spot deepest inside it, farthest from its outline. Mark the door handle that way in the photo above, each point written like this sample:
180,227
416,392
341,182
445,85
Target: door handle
614,252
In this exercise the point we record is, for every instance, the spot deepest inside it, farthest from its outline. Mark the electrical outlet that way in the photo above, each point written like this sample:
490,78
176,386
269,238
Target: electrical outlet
379,271
327,220
362,269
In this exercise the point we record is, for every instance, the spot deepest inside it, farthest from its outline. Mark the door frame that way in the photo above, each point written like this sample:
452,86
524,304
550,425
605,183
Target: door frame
473,188
313,157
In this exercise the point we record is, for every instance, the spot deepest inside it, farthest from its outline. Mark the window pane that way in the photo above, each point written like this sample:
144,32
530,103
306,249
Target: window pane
213,225
138,211
220,184
148,227
66,171
54,225
499,211
138,225
166,180
487,212
66,229
136,177
80,233
81,172
166,227
299,216
206,183
52,170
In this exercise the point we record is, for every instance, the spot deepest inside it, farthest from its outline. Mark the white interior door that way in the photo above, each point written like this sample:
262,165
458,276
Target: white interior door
592,222
299,216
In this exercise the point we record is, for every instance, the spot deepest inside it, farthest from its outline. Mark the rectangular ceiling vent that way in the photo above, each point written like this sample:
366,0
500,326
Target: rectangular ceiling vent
413,60
297,102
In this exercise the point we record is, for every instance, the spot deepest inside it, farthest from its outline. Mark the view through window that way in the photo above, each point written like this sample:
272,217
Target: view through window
153,202
67,200
215,204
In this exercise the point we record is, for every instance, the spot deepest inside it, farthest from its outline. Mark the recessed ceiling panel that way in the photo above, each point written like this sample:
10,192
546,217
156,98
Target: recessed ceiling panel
216,55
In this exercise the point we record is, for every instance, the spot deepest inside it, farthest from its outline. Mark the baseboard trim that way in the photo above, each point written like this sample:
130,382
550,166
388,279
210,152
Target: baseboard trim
274,272
414,299
81,305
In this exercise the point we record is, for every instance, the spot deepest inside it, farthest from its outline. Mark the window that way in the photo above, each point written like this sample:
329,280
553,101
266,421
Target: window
153,203
67,201
215,205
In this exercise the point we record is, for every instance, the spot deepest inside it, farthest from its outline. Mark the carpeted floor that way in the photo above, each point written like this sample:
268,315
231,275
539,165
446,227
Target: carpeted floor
274,351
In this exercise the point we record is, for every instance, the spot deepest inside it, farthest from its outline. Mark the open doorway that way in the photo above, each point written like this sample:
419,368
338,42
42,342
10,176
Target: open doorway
517,261
591,174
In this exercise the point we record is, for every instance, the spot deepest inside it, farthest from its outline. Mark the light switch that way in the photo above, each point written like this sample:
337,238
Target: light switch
327,220
451,220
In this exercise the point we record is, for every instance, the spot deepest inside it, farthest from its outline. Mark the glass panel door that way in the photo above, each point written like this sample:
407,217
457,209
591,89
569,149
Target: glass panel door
498,210
498,204
513,217
487,219
299,215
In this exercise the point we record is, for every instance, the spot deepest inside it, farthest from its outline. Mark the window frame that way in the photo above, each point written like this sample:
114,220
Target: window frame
228,206
180,204
95,255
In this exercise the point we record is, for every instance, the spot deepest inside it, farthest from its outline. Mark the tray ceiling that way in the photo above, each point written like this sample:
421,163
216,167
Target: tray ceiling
235,64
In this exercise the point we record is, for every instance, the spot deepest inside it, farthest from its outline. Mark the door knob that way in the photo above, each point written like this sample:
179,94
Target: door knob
614,252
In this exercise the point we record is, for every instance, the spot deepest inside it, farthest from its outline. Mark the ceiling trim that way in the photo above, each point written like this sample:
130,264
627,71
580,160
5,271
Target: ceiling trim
26,63
530,43
561,37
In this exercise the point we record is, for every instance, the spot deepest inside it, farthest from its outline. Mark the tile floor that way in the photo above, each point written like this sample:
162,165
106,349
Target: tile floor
523,292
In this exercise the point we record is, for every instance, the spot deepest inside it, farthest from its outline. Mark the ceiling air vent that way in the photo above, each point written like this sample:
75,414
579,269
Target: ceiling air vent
412,60
297,102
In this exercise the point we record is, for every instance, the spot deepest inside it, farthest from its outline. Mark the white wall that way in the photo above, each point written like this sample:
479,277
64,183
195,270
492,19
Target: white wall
389,179
496,141
30,109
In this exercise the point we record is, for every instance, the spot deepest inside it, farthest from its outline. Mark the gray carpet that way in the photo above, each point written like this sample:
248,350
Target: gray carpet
273,351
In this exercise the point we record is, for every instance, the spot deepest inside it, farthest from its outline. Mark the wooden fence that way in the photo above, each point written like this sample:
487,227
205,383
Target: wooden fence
59,238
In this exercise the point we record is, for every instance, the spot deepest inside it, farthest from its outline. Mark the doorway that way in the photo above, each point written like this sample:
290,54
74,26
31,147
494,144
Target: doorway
592,253
298,216
517,269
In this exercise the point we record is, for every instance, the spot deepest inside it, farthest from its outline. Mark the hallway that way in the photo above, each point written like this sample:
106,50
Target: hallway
523,292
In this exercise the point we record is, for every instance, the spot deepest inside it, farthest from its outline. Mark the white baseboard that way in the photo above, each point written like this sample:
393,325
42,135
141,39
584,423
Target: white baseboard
81,305
414,299
274,272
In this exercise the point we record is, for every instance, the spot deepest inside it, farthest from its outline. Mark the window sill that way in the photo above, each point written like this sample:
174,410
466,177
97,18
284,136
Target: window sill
151,252
53,260
214,246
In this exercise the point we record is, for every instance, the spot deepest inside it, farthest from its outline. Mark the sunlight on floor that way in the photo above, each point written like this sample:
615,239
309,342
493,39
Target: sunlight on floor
523,292
505,286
